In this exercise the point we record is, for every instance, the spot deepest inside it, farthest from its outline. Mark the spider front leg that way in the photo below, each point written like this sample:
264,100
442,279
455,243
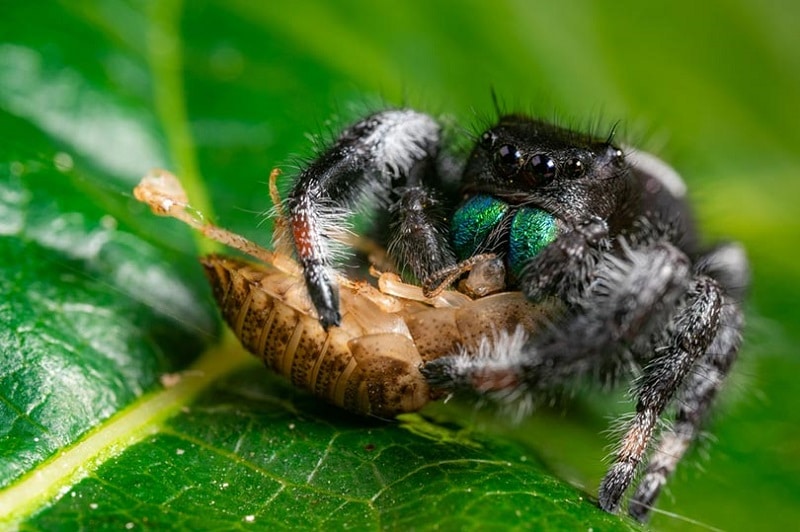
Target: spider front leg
379,161
418,235
564,268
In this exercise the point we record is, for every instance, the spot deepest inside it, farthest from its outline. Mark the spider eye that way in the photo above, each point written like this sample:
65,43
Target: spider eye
575,167
542,167
487,139
507,159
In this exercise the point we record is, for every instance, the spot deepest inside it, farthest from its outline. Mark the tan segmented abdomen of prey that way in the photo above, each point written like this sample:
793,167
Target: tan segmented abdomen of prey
370,364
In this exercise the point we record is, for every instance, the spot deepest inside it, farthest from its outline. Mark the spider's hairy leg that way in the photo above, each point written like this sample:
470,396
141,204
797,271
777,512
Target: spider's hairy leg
368,162
696,325
565,267
628,298
418,236
728,265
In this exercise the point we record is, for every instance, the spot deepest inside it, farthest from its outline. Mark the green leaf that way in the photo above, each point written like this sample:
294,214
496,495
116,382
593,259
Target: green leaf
93,314
252,450
119,404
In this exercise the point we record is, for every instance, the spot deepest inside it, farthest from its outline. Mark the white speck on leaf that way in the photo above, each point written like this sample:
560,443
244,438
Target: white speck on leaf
108,222
63,161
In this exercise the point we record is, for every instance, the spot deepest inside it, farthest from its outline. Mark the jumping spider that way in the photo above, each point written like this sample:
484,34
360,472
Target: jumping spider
606,229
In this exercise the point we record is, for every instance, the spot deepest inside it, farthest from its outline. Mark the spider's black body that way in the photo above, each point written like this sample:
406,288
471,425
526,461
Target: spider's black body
606,230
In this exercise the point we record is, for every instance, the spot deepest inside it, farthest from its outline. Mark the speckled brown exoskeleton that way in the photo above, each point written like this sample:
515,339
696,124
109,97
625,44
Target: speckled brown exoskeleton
369,364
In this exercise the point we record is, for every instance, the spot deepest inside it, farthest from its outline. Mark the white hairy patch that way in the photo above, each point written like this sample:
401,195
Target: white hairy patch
503,352
652,165
727,256
400,139
332,222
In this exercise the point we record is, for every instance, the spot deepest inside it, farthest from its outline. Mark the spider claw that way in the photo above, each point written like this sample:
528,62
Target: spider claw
325,298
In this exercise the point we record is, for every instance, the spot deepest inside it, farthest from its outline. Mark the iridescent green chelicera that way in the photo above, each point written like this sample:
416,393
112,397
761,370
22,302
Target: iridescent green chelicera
473,222
530,231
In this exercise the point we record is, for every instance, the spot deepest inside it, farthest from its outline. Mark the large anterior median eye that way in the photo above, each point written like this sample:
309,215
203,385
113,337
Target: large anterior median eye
542,168
531,230
473,222
507,160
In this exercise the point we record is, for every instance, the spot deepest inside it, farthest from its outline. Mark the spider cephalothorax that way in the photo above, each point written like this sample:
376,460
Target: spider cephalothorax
603,228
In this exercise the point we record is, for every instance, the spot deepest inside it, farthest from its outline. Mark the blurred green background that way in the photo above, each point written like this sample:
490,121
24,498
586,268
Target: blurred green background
220,92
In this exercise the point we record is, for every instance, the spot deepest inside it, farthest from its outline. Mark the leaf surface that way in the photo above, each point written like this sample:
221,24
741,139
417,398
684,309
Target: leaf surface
120,405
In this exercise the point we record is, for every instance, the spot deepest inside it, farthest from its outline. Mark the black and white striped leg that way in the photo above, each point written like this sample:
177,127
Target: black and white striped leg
418,236
728,265
695,327
367,163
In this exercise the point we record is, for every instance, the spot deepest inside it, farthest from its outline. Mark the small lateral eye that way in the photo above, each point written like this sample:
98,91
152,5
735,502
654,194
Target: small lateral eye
543,167
507,158
614,152
487,139
575,167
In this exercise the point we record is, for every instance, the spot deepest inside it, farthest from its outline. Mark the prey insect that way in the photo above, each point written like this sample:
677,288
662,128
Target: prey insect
370,364
605,229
